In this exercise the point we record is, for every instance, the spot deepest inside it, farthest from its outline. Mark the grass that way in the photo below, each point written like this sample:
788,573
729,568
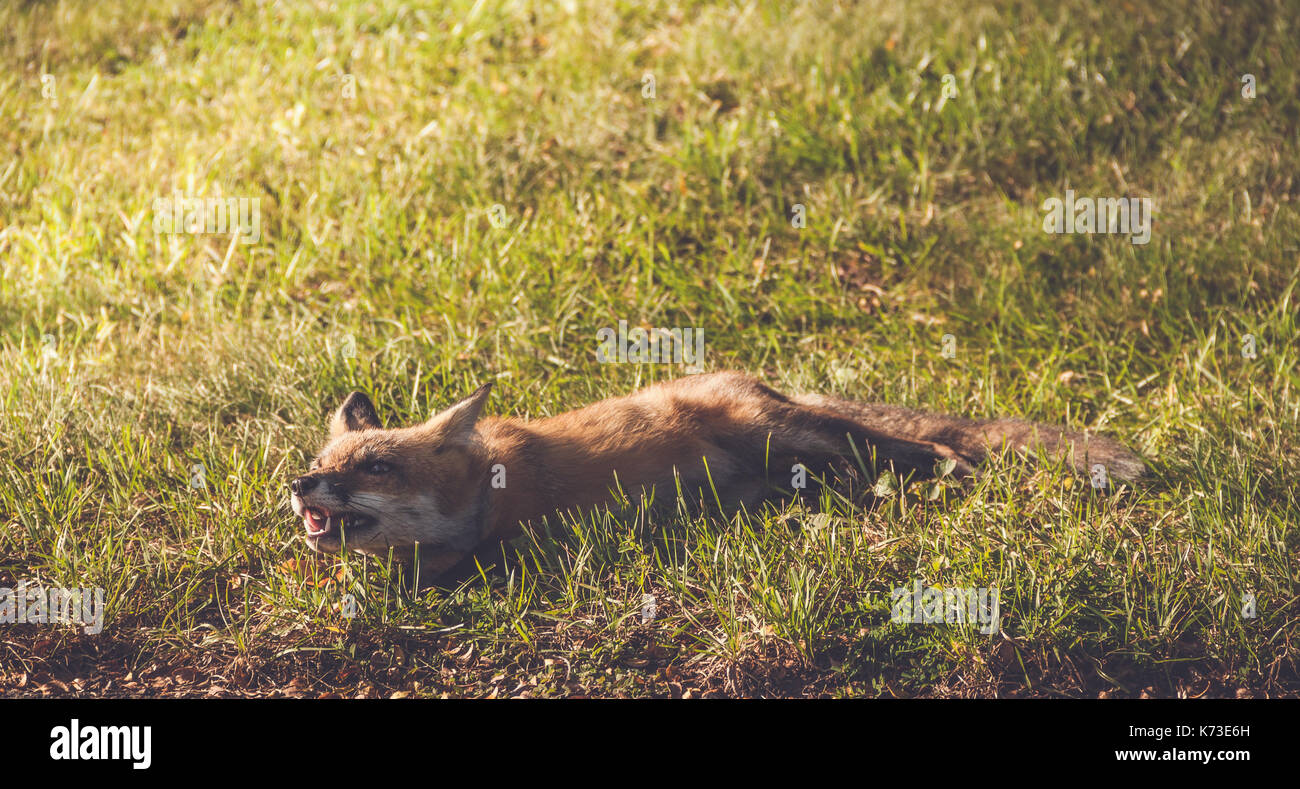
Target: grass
134,363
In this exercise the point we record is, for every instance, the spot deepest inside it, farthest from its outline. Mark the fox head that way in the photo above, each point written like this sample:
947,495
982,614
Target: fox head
373,490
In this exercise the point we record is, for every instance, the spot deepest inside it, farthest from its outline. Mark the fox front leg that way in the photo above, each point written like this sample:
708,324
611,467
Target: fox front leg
434,564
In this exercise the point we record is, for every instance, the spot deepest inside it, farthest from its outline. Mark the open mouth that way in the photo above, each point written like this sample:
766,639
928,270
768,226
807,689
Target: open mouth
320,522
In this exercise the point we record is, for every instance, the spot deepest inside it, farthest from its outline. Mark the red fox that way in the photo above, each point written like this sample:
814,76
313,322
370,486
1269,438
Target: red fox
457,482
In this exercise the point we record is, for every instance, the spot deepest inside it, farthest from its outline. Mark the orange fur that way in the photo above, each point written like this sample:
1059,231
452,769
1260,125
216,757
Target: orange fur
432,484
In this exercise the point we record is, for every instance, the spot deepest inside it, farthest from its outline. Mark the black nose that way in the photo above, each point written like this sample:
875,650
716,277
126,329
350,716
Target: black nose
303,485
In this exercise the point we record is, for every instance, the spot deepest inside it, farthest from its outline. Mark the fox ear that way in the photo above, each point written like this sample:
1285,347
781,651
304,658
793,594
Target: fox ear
458,420
356,413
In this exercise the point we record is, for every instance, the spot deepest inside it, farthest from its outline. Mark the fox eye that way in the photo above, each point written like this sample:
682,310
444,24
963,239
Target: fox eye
379,467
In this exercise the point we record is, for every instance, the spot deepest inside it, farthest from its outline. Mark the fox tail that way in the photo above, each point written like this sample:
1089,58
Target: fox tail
975,440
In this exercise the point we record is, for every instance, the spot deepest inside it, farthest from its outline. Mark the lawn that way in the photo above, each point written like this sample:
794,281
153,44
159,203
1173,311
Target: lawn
844,197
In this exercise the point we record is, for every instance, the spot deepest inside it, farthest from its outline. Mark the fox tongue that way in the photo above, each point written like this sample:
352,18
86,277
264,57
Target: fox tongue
317,522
